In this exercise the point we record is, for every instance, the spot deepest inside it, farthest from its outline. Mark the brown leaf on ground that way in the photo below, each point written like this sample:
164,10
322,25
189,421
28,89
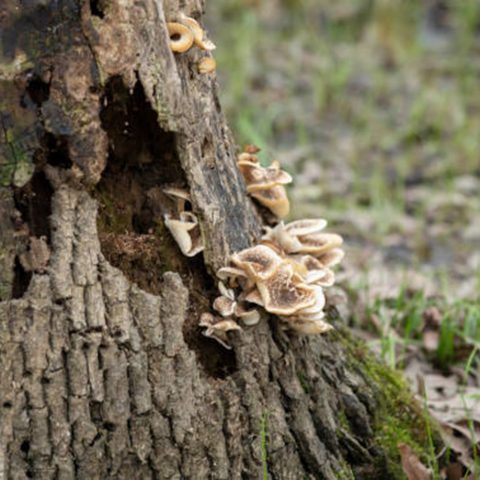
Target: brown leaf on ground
413,468
454,471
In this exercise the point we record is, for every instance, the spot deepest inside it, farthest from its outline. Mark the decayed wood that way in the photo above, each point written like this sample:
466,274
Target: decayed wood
100,378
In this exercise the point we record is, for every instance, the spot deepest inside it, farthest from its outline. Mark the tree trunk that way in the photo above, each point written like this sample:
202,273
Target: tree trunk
104,371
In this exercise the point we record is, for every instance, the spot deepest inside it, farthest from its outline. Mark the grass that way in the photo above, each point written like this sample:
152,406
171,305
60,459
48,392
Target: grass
403,322
381,101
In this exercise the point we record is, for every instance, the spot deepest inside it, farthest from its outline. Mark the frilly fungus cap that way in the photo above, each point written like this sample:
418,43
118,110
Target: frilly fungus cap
265,184
183,225
285,275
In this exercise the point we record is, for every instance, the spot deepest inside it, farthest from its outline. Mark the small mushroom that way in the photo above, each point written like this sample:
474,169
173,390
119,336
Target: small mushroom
317,307
247,157
275,199
279,235
233,276
253,296
224,306
306,226
332,257
251,149
289,236
307,326
260,178
259,262
206,65
319,243
186,233
181,37
217,329
198,33
226,292
283,294
266,185
180,195
317,272
248,317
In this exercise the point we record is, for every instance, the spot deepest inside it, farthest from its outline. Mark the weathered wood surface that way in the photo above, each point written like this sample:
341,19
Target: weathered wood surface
100,378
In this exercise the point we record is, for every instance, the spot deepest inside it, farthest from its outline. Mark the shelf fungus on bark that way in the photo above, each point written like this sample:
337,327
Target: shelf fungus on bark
181,37
265,184
183,225
187,32
285,275
229,309
207,65
200,38
217,328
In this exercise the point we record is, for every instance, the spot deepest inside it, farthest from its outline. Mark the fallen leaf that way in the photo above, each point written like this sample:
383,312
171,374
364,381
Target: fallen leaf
413,468
454,471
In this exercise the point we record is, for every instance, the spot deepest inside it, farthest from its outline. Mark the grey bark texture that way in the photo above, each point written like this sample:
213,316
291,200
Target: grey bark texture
104,373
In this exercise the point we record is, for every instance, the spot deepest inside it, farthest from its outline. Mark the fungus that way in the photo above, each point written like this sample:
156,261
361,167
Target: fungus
180,195
183,225
224,306
181,37
259,262
251,149
319,243
265,184
207,65
308,327
260,178
285,274
253,296
217,328
248,317
284,294
290,237
225,303
199,37
275,199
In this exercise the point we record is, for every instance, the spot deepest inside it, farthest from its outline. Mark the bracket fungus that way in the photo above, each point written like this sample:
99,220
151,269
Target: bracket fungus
229,309
265,184
183,225
185,33
285,275
181,37
199,37
207,65
217,328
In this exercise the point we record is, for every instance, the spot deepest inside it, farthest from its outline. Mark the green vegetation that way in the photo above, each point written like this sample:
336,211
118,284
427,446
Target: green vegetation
374,107
397,419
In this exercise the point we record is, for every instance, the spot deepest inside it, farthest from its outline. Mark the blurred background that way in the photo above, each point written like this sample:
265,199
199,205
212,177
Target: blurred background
374,107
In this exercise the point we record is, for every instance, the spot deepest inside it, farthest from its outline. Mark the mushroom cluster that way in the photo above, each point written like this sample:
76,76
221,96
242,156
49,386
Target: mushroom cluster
229,309
285,275
187,32
265,184
183,225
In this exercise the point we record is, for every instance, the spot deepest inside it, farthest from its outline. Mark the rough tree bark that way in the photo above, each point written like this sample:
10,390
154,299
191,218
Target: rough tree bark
104,373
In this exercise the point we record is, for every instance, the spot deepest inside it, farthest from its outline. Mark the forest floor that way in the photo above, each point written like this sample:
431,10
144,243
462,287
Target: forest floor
374,107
